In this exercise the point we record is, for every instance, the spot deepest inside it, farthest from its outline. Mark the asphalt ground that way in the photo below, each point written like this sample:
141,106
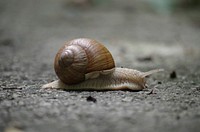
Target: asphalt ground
31,32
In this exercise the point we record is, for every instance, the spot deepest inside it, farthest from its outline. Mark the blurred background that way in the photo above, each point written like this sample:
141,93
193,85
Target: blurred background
150,27
164,26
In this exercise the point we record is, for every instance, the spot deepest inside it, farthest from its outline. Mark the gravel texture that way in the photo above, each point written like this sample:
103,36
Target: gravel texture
31,32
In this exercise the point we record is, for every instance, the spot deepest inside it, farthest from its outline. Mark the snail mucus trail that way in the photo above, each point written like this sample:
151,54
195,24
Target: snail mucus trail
85,64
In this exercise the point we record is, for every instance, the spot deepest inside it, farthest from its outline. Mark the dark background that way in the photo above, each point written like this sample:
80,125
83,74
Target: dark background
140,34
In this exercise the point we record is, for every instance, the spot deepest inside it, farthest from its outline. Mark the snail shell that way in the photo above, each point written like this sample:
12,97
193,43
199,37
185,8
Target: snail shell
82,59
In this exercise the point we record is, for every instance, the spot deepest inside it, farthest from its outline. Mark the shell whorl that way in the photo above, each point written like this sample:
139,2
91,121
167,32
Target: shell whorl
79,57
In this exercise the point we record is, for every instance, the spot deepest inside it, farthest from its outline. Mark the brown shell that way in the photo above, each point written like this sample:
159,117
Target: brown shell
79,57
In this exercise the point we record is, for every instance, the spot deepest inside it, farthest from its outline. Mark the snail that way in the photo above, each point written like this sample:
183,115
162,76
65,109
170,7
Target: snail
85,64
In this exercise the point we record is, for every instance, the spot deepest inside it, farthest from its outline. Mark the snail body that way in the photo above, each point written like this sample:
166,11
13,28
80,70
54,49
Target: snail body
85,64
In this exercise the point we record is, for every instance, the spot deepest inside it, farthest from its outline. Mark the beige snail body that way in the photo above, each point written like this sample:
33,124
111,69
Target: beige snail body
85,64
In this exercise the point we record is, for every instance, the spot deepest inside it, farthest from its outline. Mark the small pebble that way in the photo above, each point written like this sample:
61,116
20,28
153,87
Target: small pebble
91,99
146,58
173,75
159,82
178,117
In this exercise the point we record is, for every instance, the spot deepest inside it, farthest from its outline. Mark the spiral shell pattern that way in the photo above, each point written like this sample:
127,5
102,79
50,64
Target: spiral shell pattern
79,57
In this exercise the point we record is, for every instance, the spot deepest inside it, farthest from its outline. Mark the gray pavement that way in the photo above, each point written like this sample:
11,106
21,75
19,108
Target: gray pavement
31,32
